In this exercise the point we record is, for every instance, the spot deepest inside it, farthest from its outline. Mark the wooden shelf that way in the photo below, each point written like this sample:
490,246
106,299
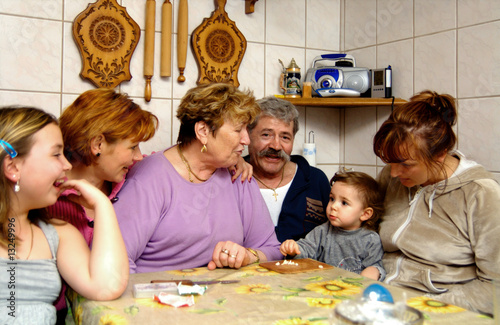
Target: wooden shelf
341,102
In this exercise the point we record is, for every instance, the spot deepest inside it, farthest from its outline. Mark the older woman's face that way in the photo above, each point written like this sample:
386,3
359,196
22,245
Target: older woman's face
228,144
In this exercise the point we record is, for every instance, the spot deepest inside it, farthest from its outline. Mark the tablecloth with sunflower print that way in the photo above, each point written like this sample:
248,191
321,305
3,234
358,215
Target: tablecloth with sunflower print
260,297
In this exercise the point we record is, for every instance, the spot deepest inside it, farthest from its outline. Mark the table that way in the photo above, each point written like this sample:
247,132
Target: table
261,297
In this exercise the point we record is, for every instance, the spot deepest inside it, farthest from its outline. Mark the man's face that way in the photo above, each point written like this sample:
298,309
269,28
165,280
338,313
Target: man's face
271,144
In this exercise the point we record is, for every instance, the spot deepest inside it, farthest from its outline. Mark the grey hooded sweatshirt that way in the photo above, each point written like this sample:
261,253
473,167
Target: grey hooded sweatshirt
444,238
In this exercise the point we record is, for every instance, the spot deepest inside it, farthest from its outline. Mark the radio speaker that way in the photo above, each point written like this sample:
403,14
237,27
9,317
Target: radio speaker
356,82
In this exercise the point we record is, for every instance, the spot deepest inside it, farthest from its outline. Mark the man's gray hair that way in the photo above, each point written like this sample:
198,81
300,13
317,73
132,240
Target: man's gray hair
277,108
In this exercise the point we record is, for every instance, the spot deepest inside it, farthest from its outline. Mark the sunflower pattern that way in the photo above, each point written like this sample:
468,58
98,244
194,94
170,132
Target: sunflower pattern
433,306
322,302
253,289
78,315
299,321
334,288
189,272
295,299
111,319
258,270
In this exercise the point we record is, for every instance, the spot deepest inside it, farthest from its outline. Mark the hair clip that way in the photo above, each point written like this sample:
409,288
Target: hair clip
344,170
8,148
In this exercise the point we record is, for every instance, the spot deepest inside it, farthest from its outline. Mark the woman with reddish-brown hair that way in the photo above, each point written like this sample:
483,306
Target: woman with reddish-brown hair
101,130
441,227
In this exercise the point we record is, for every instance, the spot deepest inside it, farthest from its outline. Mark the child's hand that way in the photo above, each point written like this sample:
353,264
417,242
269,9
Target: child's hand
289,247
87,195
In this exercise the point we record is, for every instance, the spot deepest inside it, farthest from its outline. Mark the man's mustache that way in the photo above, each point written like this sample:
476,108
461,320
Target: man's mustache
275,154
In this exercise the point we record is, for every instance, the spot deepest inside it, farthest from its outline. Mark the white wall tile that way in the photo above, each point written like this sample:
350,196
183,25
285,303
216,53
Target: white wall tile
399,55
360,23
478,131
323,24
372,171
471,12
252,26
286,22
30,54
163,137
298,141
72,8
365,57
67,99
51,9
329,170
434,16
359,131
394,20
325,122
478,63
435,63
251,73
50,103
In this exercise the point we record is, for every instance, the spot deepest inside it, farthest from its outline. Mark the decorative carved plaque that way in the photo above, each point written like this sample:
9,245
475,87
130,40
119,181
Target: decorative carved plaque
106,37
219,47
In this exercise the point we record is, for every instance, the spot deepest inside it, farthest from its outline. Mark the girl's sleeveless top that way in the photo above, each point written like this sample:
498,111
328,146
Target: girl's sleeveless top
28,288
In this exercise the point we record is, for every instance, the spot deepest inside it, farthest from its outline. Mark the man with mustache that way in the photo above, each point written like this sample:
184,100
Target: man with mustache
296,193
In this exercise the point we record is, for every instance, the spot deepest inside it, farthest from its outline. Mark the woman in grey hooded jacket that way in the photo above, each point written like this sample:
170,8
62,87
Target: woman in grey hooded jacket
441,228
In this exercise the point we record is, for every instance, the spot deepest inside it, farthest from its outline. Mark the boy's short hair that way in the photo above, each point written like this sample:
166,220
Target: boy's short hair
369,191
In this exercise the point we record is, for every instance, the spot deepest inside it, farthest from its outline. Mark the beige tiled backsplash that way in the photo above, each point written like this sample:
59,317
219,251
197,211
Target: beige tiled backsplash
448,46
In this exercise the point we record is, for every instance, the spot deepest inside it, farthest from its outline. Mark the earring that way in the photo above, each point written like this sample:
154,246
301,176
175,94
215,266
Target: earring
98,154
17,188
204,148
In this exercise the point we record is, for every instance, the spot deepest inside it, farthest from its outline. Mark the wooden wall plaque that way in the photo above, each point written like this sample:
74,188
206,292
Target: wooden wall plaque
219,47
106,37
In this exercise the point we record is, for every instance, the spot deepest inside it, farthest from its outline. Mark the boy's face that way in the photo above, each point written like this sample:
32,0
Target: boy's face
345,209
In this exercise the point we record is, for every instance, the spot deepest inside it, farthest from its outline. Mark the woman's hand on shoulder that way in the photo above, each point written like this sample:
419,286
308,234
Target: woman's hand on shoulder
241,168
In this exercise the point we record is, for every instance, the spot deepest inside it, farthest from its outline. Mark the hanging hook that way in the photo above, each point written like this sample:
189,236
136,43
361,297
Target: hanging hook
310,136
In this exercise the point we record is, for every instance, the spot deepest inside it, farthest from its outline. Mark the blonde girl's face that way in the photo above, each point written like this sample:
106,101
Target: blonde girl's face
43,169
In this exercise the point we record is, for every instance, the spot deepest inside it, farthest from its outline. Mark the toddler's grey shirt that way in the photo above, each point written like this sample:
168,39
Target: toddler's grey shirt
352,250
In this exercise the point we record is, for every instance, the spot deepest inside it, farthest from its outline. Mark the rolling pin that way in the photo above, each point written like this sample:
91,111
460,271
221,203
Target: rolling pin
166,39
182,38
149,47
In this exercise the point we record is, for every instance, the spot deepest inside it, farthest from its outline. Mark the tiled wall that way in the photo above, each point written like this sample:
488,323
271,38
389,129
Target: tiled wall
450,46
446,45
